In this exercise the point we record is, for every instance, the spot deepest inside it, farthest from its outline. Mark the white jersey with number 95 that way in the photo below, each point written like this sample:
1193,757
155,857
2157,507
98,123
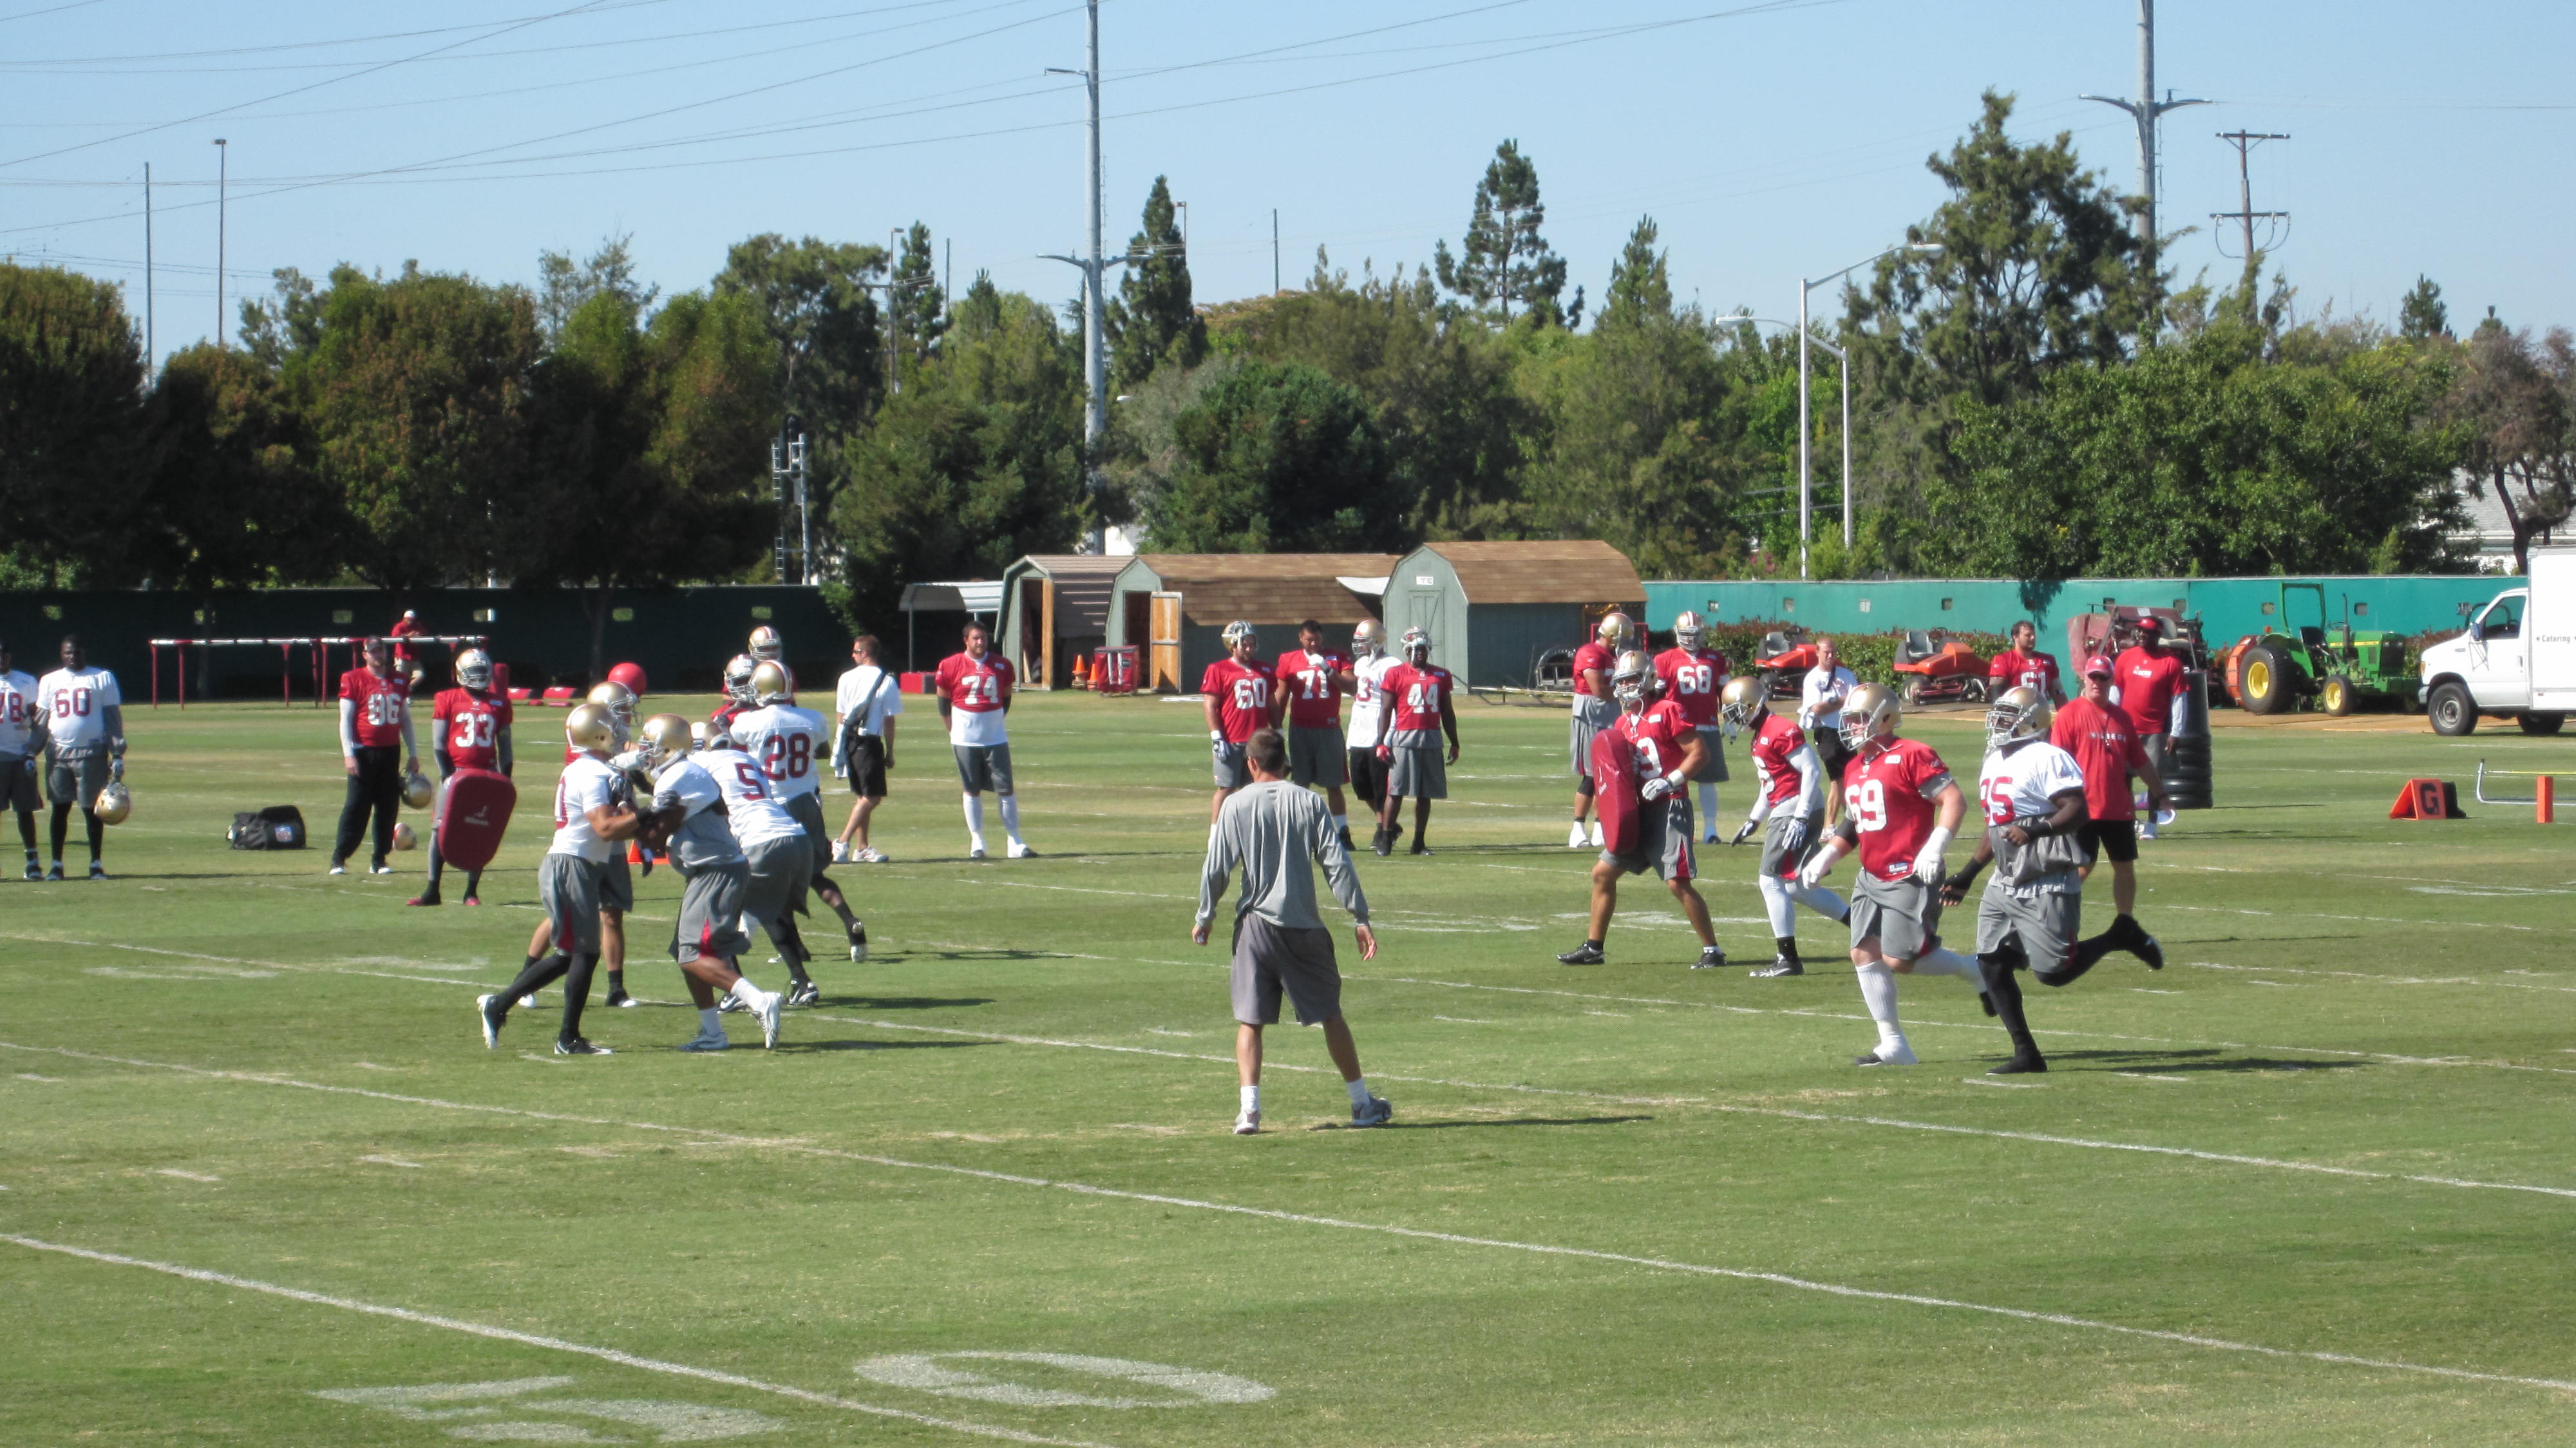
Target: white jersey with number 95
750,801
790,745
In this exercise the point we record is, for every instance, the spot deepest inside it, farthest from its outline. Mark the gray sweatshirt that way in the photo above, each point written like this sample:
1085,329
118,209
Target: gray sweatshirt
1273,830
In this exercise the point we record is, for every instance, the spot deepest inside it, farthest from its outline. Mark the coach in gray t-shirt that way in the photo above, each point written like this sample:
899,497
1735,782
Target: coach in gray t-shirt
1275,831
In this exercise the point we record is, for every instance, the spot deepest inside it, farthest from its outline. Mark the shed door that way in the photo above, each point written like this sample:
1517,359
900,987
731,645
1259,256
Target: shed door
1424,607
1164,670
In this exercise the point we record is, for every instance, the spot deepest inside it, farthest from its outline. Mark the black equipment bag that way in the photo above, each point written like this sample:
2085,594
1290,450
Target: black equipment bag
278,827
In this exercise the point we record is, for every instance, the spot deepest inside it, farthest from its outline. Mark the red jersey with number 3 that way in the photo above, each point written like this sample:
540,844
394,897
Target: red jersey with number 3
1593,656
381,704
1660,735
1313,684
1776,743
469,727
1889,797
1692,678
1242,695
1418,691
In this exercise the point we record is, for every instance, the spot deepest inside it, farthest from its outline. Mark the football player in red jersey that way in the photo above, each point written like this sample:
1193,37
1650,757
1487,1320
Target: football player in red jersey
1422,708
1309,700
1235,694
975,701
1901,809
1789,809
2023,666
405,629
469,729
1594,711
375,723
1693,677
2149,676
1669,750
2105,745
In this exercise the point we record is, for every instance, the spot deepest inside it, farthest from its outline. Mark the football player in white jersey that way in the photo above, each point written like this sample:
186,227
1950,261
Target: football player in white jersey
1366,680
19,736
688,814
792,746
592,819
77,710
2033,793
781,859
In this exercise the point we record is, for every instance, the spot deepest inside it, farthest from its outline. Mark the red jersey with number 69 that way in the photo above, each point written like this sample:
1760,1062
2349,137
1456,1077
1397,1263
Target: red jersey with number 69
381,704
1417,691
469,727
1692,678
1776,742
1242,694
1313,683
1889,796
1660,735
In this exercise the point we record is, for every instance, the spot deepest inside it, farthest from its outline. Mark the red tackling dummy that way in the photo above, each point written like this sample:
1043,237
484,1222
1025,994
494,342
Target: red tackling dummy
473,814
1615,799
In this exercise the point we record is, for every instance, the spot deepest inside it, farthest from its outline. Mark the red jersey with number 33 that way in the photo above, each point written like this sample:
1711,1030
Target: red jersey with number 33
1889,796
1692,678
1417,691
469,727
1313,683
1242,695
381,703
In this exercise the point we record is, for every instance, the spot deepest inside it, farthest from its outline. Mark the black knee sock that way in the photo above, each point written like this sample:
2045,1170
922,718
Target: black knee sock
97,832
2087,954
831,895
536,975
62,829
791,948
27,830
436,865
2006,993
576,995
473,884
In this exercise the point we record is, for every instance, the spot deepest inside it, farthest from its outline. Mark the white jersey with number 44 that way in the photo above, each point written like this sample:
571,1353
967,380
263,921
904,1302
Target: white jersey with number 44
789,743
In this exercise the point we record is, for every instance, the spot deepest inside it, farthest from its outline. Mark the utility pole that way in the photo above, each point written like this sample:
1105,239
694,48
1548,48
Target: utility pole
148,352
1274,251
1095,362
786,490
2146,110
223,190
2245,142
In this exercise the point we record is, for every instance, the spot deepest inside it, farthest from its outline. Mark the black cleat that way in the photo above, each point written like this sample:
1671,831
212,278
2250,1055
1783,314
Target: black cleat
2021,1065
55,875
804,993
494,1012
1710,958
1780,965
97,871
579,1047
426,897
1585,954
2145,948
1419,848
1346,841
1383,843
858,942
618,999
1987,1000
34,870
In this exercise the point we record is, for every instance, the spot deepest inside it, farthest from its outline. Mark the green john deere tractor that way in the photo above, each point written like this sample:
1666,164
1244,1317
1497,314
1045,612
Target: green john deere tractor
2339,667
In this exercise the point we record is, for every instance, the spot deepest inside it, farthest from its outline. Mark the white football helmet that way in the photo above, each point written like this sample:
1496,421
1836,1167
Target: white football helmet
770,684
1687,629
1869,711
737,678
1741,703
113,804
2018,714
1241,631
617,699
1614,630
1368,639
766,644
474,669
1632,679
595,728
1417,645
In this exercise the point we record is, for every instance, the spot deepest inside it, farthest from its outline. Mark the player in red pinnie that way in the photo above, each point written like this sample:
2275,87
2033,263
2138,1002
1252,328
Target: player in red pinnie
469,729
1666,751
1421,710
1235,692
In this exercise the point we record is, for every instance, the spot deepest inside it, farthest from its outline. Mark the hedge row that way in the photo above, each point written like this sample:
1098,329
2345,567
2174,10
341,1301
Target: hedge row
1870,656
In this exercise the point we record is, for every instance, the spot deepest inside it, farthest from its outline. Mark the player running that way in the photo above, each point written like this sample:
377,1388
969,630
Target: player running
2034,805
469,728
2023,666
378,753
1903,811
1367,682
1235,695
1421,693
1594,711
789,742
2098,733
1789,809
1693,678
1309,701
688,812
975,703
616,882
1666,752
591,817
21,734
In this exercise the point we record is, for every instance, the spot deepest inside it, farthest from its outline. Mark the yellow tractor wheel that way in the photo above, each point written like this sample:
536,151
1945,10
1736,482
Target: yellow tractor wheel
2335,695
2268,680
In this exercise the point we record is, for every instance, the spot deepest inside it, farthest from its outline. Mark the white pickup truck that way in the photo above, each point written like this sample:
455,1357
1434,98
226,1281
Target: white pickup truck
2518,658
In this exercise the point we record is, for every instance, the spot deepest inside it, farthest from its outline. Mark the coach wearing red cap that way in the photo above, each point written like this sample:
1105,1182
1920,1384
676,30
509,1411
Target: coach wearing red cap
2145,679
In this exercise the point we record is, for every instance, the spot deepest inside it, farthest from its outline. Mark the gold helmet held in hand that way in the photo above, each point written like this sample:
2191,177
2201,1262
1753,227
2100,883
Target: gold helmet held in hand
113,804
418,791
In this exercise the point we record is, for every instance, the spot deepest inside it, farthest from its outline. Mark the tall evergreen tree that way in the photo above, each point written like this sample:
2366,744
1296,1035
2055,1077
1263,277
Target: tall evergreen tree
2422,317
71,392
916,309
1504,262
1152,317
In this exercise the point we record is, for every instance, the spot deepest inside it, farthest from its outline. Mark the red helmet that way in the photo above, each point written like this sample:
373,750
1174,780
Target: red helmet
631,675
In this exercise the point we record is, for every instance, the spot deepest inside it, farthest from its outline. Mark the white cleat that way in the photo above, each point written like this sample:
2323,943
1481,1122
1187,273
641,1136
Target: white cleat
840,852
707,1041
767,1010
1247,1124
528,1001
873,856
1574,837
975,848
1901,1056
1597,841
1018,850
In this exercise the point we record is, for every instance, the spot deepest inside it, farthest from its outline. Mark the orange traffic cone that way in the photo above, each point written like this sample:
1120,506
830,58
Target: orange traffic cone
1081,672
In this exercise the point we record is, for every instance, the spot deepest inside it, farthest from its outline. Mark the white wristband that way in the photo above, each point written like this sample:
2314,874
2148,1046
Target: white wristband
1938,841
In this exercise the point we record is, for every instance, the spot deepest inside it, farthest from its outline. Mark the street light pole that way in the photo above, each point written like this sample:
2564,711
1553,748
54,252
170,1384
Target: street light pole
1806,484
223,191
1095,361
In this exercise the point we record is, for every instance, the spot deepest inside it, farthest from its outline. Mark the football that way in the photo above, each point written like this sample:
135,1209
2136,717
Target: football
656,831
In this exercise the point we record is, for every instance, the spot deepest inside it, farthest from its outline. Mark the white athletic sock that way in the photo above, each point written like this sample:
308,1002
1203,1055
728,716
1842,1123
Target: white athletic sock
1878,992
975,817
1011,817
1938,961
710,1022
1821,900
1596,833
1777,904
1707,806
1358,1087
1341,824
747,993
1251,1098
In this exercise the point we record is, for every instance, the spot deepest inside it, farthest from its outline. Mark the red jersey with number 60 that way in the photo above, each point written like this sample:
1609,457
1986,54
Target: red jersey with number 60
1417,691
1889,796
469,727
1776,742
1313,684
381,703
1242,695
1692,678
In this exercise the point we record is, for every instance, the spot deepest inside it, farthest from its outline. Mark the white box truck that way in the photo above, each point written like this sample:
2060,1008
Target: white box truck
2518,658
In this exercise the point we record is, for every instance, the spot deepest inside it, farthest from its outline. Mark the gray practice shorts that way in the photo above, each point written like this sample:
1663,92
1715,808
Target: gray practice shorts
1230,767
1714,772
807,810
76,781
711,907
781,869
568,889
1778,860
1315,756
2042,924
983,768
1270,958
1419,771
18,782
1663,840
616,882
1905,915
1591,716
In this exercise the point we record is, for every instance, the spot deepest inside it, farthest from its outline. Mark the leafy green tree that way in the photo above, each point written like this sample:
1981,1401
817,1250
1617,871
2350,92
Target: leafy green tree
1503,259
1152,320
915,308
565,285
822,322
230,498
71,394
1275,460
2515,403
288,324
2421,316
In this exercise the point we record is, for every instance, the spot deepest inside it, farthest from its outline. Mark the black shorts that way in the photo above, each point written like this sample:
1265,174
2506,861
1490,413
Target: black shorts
1367,776
2116,838
1831,752
866,766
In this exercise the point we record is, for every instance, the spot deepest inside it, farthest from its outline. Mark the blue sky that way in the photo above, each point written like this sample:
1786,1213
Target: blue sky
1781,141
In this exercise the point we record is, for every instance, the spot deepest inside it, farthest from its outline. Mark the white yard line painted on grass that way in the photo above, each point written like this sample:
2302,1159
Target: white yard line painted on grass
2147,1076
530,1339
393,1161
1463,1020
193,1176
230,960
2364,919
32,1076
2383,979
2007,1085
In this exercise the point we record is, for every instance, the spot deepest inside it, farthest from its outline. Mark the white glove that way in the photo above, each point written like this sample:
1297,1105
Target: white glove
1217,745
1818,866
628,762
1658,787
1927,865
1793,833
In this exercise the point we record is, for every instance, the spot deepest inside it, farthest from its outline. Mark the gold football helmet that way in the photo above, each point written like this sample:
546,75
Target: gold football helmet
2017,714
593,727
663,738
1741,703
771,684
1687,629
1632,679
418,791
405,837
114,803
617,699
766,645
1368,639
1614,630
1869,711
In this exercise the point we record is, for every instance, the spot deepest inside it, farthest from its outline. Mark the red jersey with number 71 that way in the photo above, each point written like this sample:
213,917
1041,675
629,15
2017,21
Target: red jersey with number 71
1418,691
1313,682
1889,797
469,727
1242,694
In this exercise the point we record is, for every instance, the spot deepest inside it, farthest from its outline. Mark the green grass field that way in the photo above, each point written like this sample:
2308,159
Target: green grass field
2312,1184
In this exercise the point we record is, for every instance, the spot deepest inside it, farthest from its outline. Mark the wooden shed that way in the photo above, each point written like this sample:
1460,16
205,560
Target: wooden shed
1494,608
1055,608
1174,606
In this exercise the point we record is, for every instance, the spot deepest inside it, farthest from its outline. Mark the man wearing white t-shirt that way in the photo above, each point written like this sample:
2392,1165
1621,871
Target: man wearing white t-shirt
77,709
1366,680
1820,713
20,736
867,701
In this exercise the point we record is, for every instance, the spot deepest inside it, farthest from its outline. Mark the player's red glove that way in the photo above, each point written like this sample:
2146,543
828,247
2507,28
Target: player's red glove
1385,754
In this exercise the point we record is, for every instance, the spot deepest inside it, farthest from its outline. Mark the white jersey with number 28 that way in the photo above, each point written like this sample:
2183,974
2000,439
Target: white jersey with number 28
789,743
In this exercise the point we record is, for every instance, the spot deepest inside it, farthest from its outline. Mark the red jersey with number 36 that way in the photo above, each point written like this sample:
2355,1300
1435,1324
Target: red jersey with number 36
1660,734
381,703
1417,691
1889,797
1242,694
1692,678
469,727
1313,683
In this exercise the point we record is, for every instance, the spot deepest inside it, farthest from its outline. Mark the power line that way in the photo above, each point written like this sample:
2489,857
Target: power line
48,10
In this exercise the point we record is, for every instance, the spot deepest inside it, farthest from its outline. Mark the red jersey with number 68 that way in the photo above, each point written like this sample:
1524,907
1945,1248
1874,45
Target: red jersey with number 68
1692,678
1242,694
1889,797
469,727
381,703
1417,691
1313,683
